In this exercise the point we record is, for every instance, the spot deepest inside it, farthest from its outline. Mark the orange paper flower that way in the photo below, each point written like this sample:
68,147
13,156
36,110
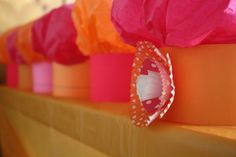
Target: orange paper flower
96,33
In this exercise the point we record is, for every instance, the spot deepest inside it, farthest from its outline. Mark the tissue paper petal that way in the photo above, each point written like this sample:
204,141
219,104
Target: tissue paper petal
54,36
24,44
183,23
13,52
96,33
201,22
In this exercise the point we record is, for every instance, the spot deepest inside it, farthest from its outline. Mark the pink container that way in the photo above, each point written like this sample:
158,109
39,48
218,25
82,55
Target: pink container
12,75
42,77
110,77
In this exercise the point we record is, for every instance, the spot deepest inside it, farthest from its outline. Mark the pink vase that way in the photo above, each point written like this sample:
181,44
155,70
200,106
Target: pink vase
42,77
110,77
12,75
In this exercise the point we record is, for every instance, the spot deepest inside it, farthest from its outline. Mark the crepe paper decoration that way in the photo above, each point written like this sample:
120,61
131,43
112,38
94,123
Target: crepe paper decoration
25,77
110,77
183,23
12,75
71,81
25,47
152,86
96,33
13,52
205,81
42,77
54,37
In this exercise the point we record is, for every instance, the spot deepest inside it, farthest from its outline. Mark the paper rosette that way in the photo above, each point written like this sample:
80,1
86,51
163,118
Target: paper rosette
54,37
96,33
152,85
24,45
155,24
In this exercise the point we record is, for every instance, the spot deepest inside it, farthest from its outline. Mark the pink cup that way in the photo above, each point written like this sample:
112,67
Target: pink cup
110,77
12,75
42,77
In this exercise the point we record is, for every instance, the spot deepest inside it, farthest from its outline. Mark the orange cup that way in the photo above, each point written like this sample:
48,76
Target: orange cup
25,77
205,81
71,81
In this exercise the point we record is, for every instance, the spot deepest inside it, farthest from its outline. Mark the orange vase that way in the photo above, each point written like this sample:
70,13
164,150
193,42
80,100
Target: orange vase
71,81
25,77
205,82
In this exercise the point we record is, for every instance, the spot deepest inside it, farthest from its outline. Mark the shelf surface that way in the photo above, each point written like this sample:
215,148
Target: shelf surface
43,141
106,128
